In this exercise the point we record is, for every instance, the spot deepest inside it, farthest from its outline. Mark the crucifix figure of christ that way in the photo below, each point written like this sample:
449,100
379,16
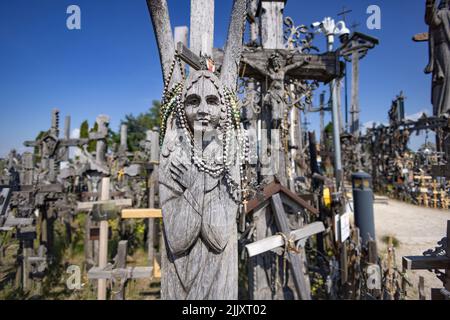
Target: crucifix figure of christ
200,172
280,65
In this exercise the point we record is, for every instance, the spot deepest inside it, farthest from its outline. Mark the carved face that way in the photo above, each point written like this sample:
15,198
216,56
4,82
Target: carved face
203,103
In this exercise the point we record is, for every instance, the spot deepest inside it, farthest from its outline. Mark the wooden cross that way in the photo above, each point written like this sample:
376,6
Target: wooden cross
443,170
344,13
120,273
275,195
439,259
354,49
103,232
277,241
149,214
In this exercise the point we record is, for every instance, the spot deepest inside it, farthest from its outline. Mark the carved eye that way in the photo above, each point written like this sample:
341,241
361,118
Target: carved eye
193,100
212,100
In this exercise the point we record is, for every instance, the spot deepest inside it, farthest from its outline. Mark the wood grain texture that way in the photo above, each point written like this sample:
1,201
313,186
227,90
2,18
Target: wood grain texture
159,14
274,188
141,214
276,241
103,241
295,260
234,45
202,27
272,24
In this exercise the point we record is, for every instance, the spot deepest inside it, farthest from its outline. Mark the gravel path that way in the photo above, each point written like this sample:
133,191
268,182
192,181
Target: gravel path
418,229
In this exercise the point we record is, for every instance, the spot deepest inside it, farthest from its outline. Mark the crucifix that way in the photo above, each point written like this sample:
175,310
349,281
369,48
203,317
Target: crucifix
273,64
344,13
355,49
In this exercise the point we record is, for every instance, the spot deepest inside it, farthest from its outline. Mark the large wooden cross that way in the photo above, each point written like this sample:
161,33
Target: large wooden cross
354,50
444,170
276,196
103,232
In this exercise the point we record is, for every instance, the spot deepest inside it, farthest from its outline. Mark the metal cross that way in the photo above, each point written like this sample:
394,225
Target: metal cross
354,26
344,13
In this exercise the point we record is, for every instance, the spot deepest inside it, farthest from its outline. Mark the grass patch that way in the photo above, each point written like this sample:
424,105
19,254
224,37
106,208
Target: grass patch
395,241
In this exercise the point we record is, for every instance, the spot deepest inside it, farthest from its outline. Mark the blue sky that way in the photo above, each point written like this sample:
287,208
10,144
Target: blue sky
111,66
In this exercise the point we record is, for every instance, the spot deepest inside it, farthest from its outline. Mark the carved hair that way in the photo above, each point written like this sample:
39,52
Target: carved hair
196,76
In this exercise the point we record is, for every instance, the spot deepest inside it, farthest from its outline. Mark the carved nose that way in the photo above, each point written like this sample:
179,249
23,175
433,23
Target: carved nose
203,110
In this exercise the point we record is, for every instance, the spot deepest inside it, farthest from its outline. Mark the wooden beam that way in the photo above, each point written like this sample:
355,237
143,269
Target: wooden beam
131,272
103,241
159,13
296,263
421,37
157,267
271,19
188,56
141,214
321,67
89,205
121,263
274,188
202,27
277,241
426,263
234,46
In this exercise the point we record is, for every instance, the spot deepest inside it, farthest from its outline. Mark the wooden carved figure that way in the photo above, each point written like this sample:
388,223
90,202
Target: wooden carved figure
202,149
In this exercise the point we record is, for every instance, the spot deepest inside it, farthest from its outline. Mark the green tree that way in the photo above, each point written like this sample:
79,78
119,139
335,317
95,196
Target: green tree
37,150
139,125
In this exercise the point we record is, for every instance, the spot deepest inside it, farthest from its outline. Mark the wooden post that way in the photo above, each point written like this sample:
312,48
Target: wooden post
121,263
67,137
322,118
159,13
202,27
272,24
339,103
295,260
373,254
447,271
181,35
344,264
27,250
124,137
422,288
254,26
103,245
258,283
154,158
355,94
234,46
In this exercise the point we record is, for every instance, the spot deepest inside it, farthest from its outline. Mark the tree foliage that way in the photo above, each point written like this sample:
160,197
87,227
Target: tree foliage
140,124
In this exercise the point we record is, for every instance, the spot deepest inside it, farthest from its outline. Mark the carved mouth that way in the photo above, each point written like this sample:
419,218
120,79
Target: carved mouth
204,122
